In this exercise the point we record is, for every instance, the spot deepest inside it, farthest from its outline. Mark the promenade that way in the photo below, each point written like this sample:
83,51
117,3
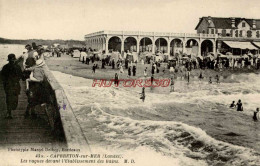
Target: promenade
17,131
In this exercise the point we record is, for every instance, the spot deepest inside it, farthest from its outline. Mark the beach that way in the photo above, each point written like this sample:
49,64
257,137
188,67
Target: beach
191,125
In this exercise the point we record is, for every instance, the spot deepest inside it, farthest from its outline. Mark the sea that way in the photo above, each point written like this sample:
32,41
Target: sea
191,126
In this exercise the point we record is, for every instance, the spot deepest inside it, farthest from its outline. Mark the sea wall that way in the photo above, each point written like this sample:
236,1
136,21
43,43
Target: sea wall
60,113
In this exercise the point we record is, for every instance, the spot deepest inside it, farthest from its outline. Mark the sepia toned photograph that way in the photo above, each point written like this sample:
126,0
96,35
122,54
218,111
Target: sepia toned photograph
129,82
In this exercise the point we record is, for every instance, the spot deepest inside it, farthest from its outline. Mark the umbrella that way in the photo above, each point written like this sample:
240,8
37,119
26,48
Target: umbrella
222,56
257,56
245,56
229,53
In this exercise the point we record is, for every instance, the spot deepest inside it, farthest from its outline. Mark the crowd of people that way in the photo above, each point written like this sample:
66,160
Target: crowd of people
28,67
33,63
184,66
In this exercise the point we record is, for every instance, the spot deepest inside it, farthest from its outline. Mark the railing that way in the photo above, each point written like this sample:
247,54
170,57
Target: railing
141,33
239,38
61,115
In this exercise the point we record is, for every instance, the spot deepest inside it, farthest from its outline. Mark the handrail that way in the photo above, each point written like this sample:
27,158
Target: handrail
157,34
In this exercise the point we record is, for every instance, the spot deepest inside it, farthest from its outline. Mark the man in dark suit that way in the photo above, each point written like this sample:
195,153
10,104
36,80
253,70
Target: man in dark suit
11,74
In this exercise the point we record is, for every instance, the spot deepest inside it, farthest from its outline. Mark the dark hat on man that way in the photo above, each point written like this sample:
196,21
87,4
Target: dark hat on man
34,46
27,45
11,57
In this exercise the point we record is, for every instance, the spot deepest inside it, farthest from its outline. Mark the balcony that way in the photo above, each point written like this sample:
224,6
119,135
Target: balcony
151,34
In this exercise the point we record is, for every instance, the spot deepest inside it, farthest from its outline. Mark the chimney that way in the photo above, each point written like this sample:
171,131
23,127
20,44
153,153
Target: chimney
233,22
254,24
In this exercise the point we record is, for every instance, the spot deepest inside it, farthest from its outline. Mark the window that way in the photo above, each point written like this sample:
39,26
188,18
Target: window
236,33
203,31
249,33
224,32
241,33
212,31
243,24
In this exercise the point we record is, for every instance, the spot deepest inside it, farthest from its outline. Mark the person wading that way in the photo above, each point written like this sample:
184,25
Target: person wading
116,79
172,85
143,94
256,115
239,105
11,74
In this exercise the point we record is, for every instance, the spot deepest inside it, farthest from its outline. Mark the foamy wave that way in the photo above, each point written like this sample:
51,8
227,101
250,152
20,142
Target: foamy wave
124,122
173,139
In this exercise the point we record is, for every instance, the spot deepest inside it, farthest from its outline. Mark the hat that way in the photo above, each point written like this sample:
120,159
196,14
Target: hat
27,45
40,62
35,54
11,57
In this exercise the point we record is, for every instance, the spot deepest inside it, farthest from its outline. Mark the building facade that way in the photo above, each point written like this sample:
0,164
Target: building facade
230,27
213,35
149,41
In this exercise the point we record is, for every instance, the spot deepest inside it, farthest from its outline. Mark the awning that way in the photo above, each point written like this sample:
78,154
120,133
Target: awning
241,45
257,44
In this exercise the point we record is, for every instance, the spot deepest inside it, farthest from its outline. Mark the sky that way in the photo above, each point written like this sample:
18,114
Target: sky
72,19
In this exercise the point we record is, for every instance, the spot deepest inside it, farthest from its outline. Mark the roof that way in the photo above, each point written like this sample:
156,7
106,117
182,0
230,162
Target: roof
225,22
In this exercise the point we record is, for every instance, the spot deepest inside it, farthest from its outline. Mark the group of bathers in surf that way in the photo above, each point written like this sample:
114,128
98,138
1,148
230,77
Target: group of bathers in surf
239,106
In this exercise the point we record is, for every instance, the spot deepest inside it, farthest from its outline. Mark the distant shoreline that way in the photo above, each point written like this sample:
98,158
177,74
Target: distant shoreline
70,43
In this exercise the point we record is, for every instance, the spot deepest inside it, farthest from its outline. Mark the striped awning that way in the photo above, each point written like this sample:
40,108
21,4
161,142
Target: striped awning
257,44
241,45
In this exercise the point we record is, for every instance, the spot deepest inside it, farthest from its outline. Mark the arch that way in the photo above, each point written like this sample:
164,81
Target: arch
192,47
146,44
176,47
114,43
206,47
130,44
161,45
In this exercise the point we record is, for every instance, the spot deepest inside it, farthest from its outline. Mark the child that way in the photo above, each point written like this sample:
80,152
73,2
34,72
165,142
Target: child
232,105
37,73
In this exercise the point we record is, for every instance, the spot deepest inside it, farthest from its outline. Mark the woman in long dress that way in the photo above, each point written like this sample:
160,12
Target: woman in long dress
145,72
121,69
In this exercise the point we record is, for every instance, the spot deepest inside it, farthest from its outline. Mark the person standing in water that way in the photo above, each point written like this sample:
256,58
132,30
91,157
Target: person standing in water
217,79
143,94
172,85
239,105
94,68
188,76
232,105
116,79
200,77
256,115
210,81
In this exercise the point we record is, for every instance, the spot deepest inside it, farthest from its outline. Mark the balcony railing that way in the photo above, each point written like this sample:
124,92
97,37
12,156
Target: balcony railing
157,34
239,38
